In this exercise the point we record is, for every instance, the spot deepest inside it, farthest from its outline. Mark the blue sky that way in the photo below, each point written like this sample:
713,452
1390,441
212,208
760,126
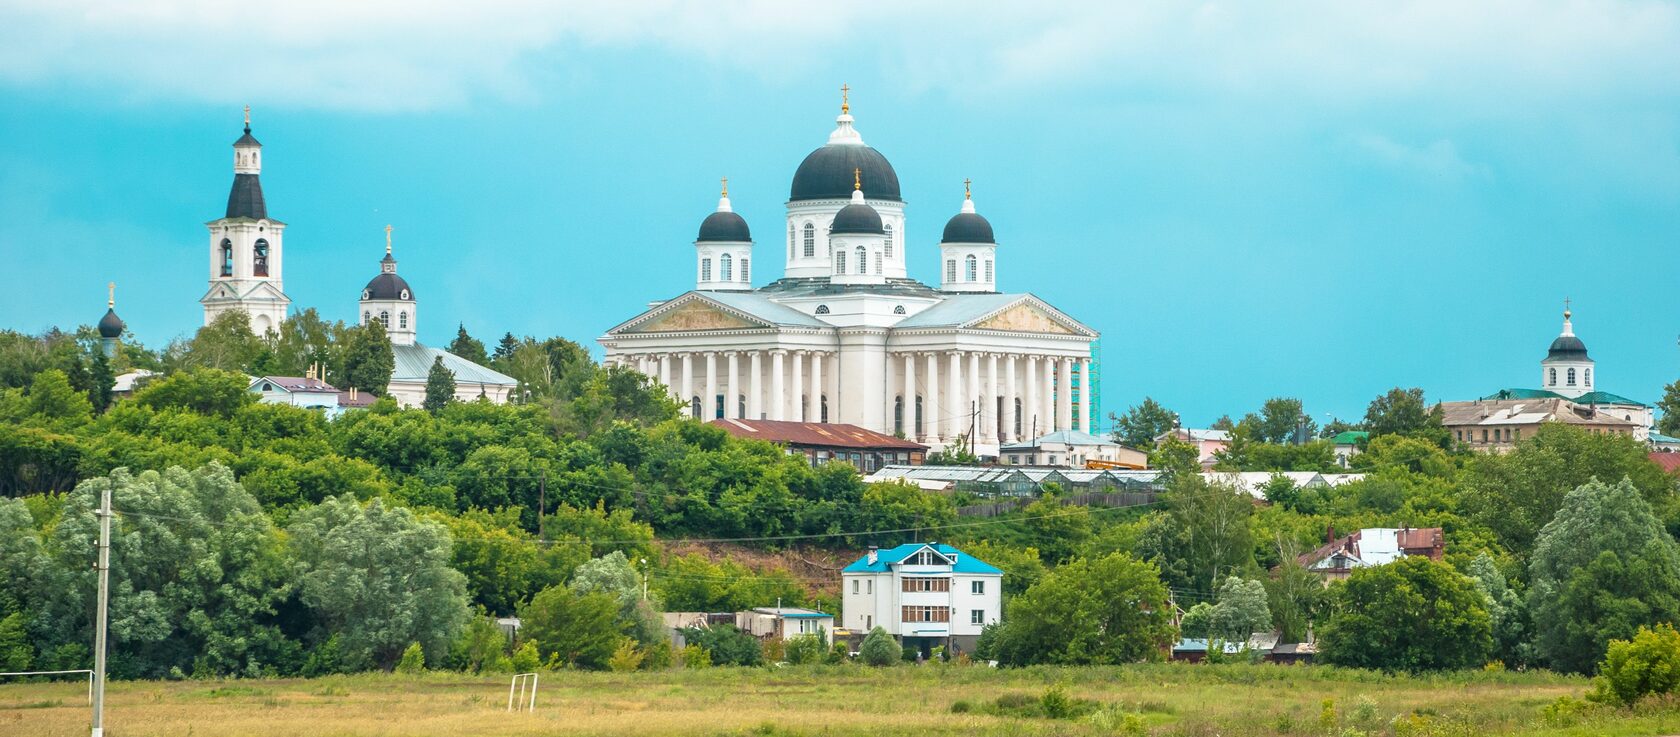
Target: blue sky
1314,199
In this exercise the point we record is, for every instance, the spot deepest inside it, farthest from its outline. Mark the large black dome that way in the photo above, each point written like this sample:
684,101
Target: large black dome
857,218
110,326
830,172
1568,348
968,227
724,227
387,286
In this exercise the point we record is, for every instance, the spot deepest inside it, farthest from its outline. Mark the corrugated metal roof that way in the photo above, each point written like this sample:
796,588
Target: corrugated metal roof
959,309
414,362
885,558
833,435
764,308
1065,437
297,383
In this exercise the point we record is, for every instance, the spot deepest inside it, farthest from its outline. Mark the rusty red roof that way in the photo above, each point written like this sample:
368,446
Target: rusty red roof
1670,462
818,434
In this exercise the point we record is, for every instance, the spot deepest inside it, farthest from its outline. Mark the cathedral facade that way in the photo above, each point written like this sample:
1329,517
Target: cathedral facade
845,335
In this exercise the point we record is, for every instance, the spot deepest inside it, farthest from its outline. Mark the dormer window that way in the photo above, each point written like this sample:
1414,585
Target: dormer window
404,294
366,295
822,309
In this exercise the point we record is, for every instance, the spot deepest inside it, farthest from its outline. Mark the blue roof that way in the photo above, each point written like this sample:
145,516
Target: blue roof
885,558
1657,437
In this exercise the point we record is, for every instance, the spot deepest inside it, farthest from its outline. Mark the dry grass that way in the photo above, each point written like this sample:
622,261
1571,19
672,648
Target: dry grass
1169,699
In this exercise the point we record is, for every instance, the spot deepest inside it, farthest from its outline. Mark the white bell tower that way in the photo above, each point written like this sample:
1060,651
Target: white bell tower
245,247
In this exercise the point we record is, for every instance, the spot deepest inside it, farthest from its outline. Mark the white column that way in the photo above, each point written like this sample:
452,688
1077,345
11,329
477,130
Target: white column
931,404
778,391
988,394
971,389
1029,408
1047,396
755,385
665,374
1085,396
687,381
797,399
910,397
1009,389
1064,394
814,407
732,388
957,413
708,403
889,392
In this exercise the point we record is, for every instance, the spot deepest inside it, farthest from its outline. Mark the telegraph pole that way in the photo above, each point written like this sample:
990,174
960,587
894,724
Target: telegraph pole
104,567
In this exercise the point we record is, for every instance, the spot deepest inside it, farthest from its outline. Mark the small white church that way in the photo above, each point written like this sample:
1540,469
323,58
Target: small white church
246,267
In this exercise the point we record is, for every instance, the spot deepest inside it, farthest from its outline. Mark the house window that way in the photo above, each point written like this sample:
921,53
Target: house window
927,558
810,240
925,614
402,320
1551,377
921,584
259,258
971,263
741,405
227,257
863,260
854,585
977,587
1571,377
950,270
1018,417
840,263
977,616
1586,379
705,269
988,271
790,240
877,264
720,405
889,244
869,586
1484,435
366,316
385,319
726,268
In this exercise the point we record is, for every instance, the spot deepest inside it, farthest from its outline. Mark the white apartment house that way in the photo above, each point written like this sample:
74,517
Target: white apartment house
925,594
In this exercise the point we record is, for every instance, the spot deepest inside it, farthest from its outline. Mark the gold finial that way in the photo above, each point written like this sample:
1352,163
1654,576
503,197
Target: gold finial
111,294
247,116
387,240
725,181
845,99
967,194
857,179
1566,308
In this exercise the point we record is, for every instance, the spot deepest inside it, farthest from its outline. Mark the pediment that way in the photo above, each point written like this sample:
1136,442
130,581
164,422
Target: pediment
1024,317
691,315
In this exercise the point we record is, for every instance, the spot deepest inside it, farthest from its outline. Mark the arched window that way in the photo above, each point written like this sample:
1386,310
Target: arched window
810,240
385,319
402,320
726,268
918,416
898,414
746,274
741,405
950,270
1551,377
720,405
1586,379
1571,377
840,263
1017,417
705,269
824,401
822,309
889,246
227,257
988,271
972,265
366,316
259,258
863,260
898,310
694,407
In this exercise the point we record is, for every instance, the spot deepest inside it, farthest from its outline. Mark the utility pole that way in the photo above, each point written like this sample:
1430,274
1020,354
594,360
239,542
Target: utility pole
645,579
542,505
104,567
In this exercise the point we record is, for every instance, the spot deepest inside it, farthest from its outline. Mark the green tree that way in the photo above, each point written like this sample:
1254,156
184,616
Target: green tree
365,359
614,574
880,649
505,348
612,395
1293,594
1601,568
1404,412
955,453
1669,408
1240,611
52,401
1204,535
807,649
1281,420
1175,456
227,343
378,576
1197,621
1507,612
440,386
413,660
726,644
503,563
1413,614
468,347
211,392
1022,566
572,629
1106,611
1142,423
16,652
1645,665
304,340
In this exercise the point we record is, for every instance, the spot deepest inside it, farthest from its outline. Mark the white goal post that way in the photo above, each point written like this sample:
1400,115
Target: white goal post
56,673
526,686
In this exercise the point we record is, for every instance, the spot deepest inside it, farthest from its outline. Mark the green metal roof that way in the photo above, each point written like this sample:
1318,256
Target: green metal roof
1588,398
1350,437
1606,398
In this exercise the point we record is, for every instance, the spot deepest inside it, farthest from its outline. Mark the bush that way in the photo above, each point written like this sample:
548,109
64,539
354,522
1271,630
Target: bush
526,659
626,657
695,656
805,649
1633,669
726,644
880,649
413,659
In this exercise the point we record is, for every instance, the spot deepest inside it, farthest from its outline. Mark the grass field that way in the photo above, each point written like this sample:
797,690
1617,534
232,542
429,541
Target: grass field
845,700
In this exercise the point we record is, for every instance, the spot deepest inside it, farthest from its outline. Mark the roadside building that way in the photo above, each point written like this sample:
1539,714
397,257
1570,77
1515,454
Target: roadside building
822,442
307,392
1372,546
786,623
1495,425
1208,443
925,595
1072,449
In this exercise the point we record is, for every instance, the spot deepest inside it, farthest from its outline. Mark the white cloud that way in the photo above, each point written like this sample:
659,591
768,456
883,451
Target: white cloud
372,54
1438,159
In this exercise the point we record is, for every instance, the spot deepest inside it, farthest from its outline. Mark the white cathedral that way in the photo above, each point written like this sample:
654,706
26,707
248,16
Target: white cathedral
847,336
246,250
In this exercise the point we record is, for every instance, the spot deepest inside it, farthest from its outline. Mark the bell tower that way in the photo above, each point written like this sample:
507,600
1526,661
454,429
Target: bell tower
245,247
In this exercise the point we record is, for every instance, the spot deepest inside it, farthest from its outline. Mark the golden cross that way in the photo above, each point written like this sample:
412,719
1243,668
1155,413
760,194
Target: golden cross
966,193
725,186
1565,304
387,240
857,179
845,99
111,294
247,116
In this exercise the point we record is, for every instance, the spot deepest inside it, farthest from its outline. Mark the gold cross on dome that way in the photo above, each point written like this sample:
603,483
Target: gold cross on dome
387,240
247,116
857,179
966,193
111,294
845,98
725,181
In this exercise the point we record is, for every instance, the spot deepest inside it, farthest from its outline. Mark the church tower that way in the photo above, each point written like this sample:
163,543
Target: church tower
245,247
968,251
1566,369
388,299
823,186
723,250
859,238
110,326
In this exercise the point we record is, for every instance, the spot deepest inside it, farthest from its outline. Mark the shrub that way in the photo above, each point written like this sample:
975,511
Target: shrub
726,644
961,707
1055,703
1647,664
526,659
695,656
880,649
626,657
839,654
805,650
413,659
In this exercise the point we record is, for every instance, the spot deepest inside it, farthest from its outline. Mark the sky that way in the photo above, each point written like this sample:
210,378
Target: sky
1320,199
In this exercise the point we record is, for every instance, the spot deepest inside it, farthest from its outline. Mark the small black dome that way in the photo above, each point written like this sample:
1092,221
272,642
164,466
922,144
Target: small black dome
856,218
387,286
247,140
1567,348
724,227
830,172
110,326
968,227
